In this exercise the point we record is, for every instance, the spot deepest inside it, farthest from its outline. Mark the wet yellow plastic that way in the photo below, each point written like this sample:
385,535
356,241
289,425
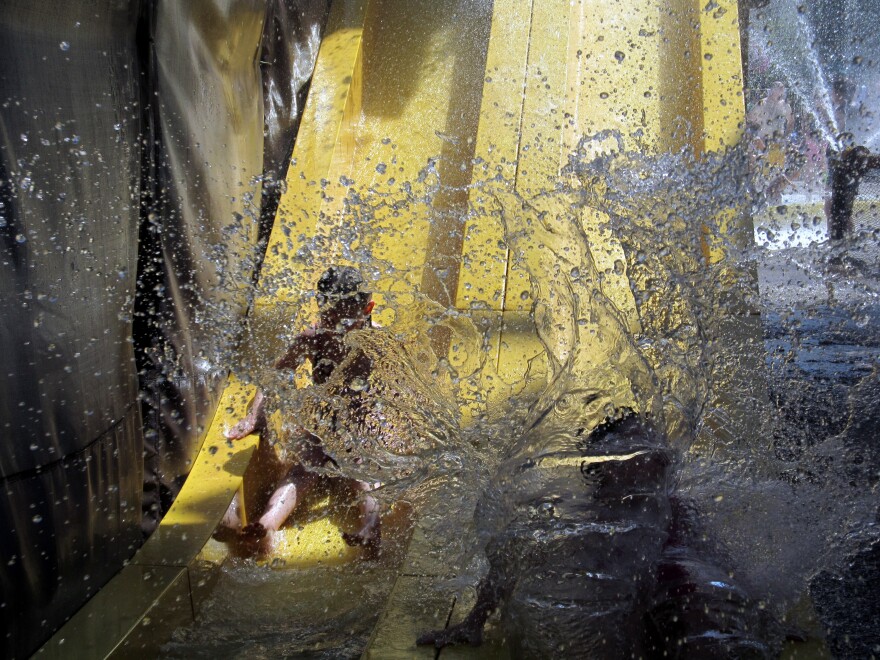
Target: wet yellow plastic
558,70
386,96
155,593
138,609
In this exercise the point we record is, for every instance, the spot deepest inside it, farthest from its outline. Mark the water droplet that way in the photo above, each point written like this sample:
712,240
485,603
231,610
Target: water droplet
20,238
37,518
358,384
24,137
64,46
524,295
619,56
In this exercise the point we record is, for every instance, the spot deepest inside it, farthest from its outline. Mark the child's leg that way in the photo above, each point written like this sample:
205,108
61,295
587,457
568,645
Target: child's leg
289,492
259,481
297,481
369,518
258,537
369,532
230,524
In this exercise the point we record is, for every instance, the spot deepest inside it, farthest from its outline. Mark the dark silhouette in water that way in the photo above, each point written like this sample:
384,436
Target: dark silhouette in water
591,556
847,169
344,307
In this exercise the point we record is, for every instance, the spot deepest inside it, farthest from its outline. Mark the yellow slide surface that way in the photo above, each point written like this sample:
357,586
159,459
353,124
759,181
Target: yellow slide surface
493,98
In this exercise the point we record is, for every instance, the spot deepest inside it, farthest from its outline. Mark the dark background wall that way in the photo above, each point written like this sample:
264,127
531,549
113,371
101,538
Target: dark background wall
70,454
132,141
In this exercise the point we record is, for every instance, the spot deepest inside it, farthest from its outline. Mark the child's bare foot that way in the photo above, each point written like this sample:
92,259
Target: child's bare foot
254,531
254,539
370,540
225,534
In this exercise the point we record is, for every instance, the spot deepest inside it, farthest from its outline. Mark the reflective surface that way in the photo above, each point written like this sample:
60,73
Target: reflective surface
131,158
198,244
560,196
70,152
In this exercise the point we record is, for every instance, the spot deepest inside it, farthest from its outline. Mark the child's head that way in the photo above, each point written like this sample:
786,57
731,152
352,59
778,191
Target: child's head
341,296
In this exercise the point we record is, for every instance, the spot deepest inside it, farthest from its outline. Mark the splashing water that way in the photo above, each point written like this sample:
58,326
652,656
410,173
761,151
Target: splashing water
390,426
793,51
637,335
660,354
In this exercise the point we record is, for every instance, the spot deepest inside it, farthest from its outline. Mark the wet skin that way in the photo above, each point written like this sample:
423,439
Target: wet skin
324,346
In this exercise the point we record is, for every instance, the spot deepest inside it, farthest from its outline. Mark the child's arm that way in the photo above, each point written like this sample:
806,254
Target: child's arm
255,420
299,350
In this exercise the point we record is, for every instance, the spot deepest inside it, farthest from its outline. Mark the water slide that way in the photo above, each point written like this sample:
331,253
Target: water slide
470,105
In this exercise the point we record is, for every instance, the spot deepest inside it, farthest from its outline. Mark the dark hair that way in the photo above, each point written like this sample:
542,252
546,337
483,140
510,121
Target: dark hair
339,283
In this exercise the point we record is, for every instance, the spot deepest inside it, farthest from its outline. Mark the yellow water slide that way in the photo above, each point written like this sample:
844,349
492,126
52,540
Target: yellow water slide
488,97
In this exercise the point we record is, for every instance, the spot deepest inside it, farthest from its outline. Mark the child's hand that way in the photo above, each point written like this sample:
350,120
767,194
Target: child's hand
254,422
244,428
